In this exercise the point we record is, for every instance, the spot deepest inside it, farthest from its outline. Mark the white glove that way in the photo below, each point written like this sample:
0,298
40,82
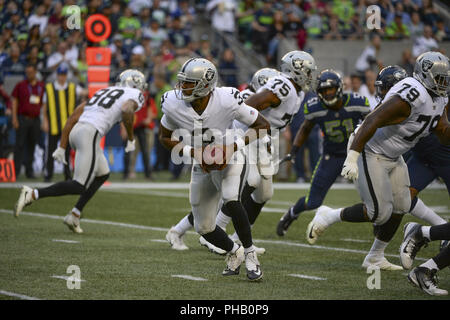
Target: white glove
350,167
60,155
131,145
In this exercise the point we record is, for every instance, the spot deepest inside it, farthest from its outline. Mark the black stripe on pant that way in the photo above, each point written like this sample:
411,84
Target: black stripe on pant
91,169
369,184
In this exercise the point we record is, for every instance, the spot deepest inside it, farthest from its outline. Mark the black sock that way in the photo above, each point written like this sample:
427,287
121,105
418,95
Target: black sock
240,222
246,192
252,208
87,194
220,239
440,232
191,218
413,204
61,188
354,214
387,231
442,259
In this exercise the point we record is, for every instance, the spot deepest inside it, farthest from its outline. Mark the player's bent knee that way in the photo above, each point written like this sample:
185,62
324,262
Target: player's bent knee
204,228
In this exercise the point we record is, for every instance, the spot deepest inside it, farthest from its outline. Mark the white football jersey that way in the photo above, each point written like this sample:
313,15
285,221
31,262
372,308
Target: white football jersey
393,141
103,110
225,105
280,116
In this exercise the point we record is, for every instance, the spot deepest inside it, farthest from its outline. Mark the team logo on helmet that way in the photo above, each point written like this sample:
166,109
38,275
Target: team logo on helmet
426,65
209,75
297,63
262,80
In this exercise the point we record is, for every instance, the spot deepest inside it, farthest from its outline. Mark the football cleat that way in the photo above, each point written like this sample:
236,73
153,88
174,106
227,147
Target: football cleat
426,279
412,242
234,261
25,198
318,225
212,248
380,262
176,240
285,222
258,250
254,271
73,222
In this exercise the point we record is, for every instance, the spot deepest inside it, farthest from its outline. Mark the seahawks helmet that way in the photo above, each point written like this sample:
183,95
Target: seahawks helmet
432,70
386,79
299,66
132,78
202,73
261,76
329,78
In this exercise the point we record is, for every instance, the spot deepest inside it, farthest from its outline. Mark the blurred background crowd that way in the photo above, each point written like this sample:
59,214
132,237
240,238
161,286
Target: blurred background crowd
42,56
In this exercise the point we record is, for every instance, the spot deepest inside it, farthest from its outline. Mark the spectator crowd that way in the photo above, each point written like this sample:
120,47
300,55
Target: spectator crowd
39,47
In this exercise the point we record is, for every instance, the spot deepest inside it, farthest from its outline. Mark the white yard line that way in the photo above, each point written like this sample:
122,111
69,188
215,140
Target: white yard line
185,276
136,226
70,278
159,240
303,276
65,241
16,295
356,240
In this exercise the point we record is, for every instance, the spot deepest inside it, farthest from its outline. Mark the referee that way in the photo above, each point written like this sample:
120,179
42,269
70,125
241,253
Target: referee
59,102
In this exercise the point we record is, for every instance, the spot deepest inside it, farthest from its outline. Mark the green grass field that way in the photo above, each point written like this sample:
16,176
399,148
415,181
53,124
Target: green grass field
122,253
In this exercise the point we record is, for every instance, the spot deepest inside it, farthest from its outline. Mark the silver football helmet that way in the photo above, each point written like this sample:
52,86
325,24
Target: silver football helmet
202,73
299,66
261,76
432,70
132,78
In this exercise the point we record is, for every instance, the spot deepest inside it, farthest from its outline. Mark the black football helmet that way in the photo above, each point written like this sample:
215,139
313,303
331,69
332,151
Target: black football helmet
329,78
386,78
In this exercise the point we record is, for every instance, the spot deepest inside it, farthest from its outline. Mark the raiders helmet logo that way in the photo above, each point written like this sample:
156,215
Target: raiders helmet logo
297,63
209,75
426,65
262,80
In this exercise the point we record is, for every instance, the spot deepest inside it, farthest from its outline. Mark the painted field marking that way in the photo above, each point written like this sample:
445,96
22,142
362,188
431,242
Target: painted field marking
16,295
303,276
65,241
355,240
159,240
136,226
188,277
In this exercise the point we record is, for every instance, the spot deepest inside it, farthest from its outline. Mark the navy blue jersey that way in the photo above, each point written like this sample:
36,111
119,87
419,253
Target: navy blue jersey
337,125
431,151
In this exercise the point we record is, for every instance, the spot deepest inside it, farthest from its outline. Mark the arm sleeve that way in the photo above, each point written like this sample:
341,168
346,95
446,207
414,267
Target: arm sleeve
246,114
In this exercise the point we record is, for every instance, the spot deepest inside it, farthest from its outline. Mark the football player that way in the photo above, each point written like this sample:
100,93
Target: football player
413,108
429,158
85,127
337,114
176,233
424,276
197,105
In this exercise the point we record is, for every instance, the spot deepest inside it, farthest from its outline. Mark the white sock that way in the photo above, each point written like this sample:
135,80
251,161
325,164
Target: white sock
235,247
36,194
183,226
430,264
76,212
249,249
421,211
378,247
222,220
333,216
426,232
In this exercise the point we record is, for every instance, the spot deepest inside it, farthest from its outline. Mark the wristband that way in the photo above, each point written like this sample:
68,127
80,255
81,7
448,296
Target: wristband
352,155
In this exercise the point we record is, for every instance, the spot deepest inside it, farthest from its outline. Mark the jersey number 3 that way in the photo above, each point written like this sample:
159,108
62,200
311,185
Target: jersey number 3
105,97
